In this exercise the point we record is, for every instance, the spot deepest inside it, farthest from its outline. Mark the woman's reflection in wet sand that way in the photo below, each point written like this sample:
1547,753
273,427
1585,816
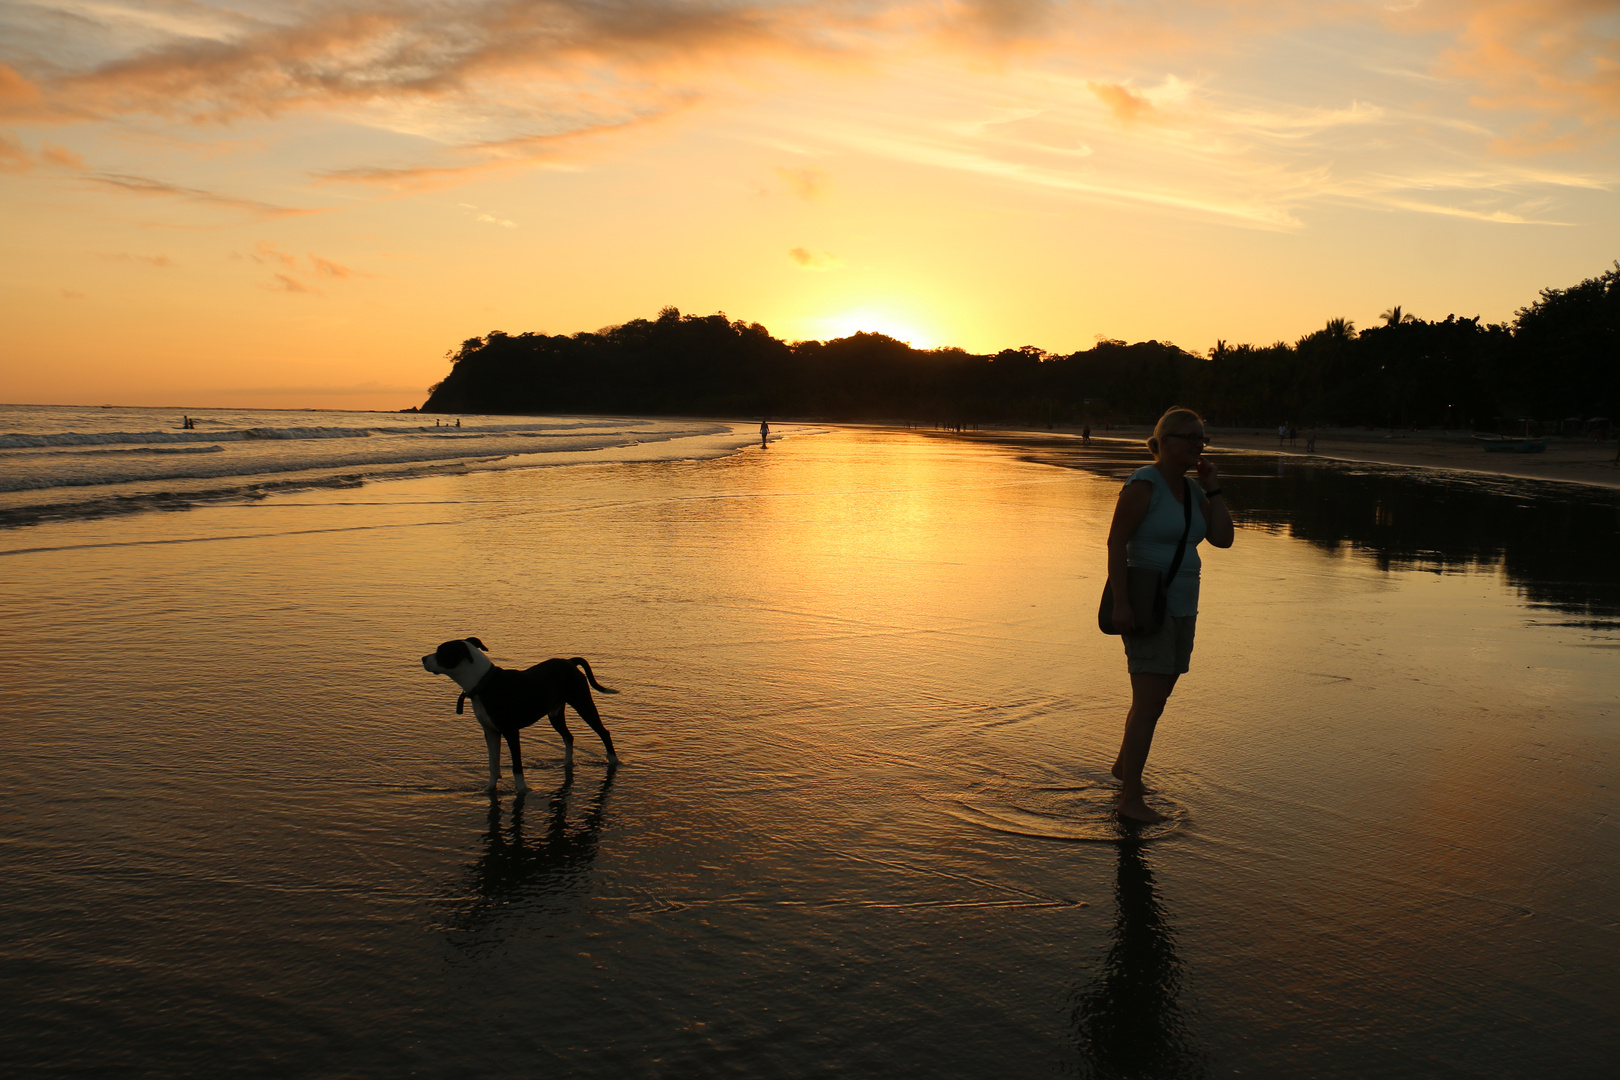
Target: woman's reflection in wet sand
1127,1020
522,873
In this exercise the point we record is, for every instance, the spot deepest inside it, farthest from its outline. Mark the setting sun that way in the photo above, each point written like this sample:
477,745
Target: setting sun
876,320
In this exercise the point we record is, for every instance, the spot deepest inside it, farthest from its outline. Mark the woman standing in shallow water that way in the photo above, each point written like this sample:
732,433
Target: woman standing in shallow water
1148,524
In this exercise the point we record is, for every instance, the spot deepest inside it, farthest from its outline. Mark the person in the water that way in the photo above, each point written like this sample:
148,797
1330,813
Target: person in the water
1149,520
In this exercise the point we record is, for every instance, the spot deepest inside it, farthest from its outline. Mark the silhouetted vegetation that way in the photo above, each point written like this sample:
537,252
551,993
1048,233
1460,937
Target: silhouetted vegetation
1560,357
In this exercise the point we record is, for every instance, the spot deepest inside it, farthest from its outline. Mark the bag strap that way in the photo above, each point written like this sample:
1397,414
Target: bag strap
1181,548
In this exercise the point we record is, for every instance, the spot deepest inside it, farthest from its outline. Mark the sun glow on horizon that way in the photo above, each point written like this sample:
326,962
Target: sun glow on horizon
904,327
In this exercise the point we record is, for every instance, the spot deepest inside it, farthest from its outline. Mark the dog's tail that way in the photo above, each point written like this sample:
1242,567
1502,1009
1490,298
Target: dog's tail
580,661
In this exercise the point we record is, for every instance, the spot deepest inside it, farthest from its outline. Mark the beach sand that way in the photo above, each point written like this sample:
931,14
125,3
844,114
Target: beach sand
863,826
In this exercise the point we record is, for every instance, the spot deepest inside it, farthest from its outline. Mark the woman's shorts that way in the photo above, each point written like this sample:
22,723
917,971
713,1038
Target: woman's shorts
1169,652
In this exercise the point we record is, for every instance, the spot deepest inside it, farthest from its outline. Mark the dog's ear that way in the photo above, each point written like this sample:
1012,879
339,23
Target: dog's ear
480,644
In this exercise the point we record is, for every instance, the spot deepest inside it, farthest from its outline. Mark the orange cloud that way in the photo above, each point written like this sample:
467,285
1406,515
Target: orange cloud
328,268
61,155
142,185
1559,59
1127,105
283,283
13,155
18,96
162,262
814,260
808,183
266,251
394,53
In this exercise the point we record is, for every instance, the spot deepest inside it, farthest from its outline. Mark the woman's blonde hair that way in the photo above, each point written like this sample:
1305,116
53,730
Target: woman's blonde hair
1173,420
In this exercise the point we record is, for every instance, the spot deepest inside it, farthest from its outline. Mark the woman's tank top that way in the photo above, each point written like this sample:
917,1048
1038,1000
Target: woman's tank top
1154,542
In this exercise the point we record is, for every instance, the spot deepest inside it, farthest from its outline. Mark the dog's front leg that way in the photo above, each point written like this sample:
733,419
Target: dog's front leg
492,739
512,744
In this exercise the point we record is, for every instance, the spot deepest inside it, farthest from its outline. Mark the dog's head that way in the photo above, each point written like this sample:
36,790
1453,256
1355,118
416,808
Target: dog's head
462,659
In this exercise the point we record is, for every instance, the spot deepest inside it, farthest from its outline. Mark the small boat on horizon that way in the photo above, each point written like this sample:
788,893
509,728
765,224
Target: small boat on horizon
1512,444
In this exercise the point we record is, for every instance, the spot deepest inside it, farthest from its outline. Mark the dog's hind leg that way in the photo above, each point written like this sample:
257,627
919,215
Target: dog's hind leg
558,722
513,744
492,739
586,708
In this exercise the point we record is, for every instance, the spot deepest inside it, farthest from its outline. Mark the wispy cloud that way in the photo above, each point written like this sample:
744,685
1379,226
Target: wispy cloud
266,251
287,284
162,262
806,259
61,155
1132,104
147,186
14,155
807,182
398,52
1128,106
1557,59
328,268
20,99
287,279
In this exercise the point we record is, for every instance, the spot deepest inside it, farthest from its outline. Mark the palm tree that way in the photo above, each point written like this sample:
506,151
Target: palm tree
1343,328
1393,317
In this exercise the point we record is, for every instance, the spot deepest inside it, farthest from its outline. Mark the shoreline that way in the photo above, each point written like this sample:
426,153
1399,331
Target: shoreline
1569,461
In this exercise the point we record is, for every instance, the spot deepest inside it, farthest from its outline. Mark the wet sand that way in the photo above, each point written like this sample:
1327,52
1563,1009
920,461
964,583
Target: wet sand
1575,461
863,826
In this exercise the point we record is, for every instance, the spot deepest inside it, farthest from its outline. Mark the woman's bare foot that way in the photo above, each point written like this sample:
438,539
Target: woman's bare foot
1137,810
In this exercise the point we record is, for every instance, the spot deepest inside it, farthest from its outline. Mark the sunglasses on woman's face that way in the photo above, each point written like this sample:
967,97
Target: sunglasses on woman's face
1189,436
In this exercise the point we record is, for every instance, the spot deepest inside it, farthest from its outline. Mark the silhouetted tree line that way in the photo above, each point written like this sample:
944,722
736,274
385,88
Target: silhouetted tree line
1559,357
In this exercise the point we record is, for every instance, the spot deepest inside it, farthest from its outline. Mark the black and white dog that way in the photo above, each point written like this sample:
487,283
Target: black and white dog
506,701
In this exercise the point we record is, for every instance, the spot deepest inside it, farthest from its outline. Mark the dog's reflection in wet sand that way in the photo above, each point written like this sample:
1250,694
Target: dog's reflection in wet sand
519,872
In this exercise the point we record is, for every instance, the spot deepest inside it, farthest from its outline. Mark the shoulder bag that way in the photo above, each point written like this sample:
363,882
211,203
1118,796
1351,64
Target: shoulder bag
1148,587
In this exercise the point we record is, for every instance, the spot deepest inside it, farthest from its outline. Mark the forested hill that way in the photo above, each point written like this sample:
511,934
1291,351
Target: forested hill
1560,357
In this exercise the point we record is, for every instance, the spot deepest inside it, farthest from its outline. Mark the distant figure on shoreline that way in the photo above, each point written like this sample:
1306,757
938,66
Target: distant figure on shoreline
1085,435
1310,442
1152,521
764,432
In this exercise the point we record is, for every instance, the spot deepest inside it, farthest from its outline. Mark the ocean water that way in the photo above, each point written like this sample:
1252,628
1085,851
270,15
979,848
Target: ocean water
63,461
862,828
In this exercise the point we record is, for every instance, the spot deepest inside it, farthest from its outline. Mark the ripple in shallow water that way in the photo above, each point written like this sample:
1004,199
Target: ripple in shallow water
1084,812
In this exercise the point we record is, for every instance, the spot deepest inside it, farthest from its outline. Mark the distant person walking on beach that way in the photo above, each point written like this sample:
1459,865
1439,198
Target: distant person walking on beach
1085,435
764,432
1149,521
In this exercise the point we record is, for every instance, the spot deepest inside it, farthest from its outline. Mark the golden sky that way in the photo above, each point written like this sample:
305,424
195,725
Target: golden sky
306,204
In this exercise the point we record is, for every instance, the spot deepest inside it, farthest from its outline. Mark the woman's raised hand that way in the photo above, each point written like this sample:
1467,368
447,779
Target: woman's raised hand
1206,473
